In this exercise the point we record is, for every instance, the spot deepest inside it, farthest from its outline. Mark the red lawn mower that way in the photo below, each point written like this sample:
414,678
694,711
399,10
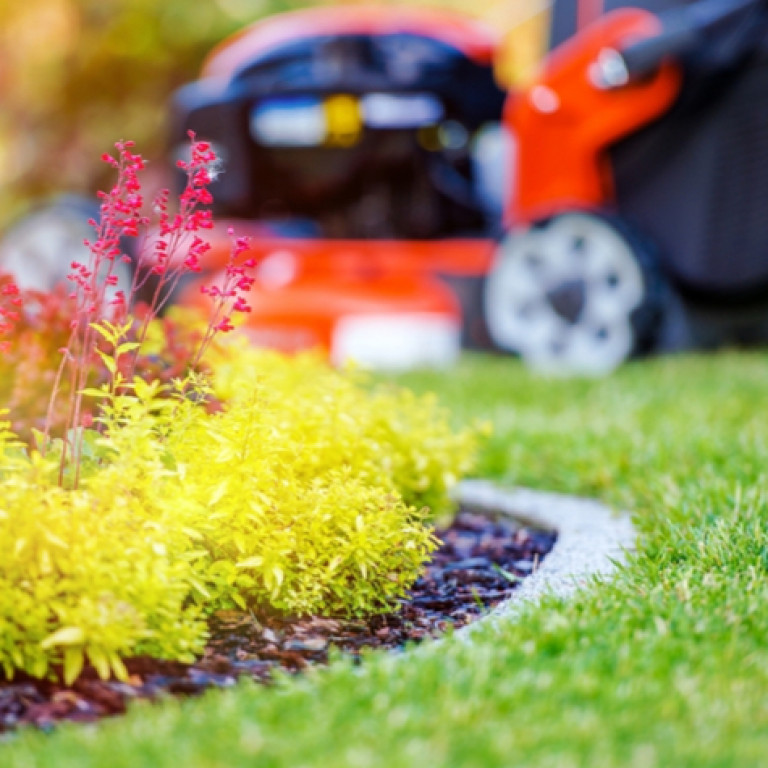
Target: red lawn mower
368,152
360,150
639,218
362,146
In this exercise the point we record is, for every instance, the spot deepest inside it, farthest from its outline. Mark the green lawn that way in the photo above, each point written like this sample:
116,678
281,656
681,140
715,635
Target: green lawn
667,665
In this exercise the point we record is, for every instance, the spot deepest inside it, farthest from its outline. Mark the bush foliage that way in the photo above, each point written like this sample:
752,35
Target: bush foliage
83,576
303,493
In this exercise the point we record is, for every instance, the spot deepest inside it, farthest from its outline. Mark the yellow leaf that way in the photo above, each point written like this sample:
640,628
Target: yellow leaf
51,538
109,362
198,585
39,667
128,346
251,562
196,554
218,493
74,658
64,636
107,330
100,662
92,392
118,668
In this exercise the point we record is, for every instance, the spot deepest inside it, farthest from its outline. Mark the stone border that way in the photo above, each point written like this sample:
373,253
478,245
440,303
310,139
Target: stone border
592,539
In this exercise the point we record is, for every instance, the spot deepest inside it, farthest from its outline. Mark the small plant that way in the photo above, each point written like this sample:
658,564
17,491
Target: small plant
83,576
163,256
287,522
385,434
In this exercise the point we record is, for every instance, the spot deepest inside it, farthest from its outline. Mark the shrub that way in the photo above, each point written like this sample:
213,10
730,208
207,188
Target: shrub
287,524
281,486
273,516
386,435
287,500
83,577
304,494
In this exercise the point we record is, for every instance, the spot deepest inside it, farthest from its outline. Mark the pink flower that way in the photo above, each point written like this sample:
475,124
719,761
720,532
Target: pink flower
225,325
10,304
10,289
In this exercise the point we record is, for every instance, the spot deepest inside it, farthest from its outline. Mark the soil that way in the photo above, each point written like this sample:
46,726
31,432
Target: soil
479,564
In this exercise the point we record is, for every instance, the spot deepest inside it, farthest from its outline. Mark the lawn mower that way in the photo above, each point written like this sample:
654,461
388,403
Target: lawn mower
360,151
364,145
401,205
638,218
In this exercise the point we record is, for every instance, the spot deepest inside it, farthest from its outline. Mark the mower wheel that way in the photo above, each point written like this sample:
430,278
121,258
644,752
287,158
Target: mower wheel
39,248
577,294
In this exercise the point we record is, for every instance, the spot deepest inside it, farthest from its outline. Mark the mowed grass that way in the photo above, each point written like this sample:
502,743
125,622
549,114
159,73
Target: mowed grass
665,665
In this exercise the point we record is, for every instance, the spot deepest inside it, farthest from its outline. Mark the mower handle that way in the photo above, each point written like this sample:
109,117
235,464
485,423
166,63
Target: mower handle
685,30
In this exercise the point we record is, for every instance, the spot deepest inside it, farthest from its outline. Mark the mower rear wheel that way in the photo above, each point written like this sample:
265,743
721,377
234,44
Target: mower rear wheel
575,295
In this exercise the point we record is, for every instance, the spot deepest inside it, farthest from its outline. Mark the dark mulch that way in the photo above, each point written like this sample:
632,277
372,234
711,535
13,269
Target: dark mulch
479,564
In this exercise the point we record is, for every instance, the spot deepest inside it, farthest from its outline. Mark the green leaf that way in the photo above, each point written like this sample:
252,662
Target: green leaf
511,577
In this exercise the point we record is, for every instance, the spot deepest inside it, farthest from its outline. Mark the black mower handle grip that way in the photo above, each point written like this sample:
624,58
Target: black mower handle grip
615,68
643,58
684,31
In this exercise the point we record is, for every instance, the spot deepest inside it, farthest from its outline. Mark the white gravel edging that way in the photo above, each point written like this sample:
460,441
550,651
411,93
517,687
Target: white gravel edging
592,539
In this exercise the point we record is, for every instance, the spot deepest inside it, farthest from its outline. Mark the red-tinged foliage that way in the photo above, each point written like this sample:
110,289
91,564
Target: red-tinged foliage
10,307
168,247
33,346
51,349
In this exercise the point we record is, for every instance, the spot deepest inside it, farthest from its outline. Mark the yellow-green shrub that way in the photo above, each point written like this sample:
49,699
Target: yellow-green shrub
302,494
82,577
261,526
388,436
296,496
281,537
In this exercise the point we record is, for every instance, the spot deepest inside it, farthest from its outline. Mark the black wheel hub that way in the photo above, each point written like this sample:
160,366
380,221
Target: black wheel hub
568,299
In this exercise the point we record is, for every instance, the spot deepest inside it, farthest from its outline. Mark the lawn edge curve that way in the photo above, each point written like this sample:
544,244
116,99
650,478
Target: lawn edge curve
592,540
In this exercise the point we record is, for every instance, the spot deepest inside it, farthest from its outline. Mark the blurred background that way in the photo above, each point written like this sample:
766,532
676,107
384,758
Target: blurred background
78,75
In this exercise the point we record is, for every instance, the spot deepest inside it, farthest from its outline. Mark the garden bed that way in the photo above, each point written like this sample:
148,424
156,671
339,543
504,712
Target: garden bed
482,560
